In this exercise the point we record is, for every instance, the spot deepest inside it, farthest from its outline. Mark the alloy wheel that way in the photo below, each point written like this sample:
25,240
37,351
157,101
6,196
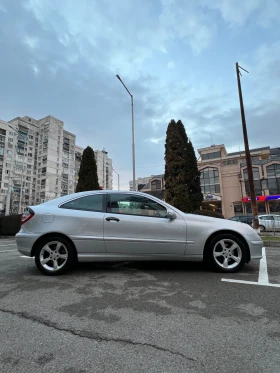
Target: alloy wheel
53,256
227,254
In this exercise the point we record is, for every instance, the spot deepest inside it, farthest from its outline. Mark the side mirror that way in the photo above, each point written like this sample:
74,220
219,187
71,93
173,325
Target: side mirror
171,215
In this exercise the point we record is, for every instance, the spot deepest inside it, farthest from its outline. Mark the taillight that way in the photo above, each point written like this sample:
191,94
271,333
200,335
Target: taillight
27,215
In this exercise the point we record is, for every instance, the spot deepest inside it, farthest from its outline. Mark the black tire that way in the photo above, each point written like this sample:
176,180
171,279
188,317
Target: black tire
66,249
262,228
215,246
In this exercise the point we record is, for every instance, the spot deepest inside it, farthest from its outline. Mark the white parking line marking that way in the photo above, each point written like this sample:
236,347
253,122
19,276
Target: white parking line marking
251,283
263,275
10,244
26,257
7,251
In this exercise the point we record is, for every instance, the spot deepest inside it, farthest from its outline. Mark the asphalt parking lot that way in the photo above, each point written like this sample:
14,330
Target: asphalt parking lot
139,317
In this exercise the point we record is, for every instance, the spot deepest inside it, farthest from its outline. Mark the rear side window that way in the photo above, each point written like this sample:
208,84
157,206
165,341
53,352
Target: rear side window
87,203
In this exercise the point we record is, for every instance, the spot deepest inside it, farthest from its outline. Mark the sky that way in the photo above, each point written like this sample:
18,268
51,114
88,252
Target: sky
177,58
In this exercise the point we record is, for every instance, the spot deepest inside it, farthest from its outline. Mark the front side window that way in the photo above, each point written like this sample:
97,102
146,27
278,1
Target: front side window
130,204
87,203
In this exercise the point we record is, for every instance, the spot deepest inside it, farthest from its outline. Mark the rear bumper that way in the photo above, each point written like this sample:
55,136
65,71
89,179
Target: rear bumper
25,242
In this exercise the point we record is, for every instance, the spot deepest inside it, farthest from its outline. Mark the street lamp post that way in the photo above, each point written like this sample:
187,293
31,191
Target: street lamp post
132,118
118,179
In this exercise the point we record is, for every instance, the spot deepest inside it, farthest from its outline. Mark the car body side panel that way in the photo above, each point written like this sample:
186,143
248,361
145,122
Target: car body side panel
200,228
85,228
134,234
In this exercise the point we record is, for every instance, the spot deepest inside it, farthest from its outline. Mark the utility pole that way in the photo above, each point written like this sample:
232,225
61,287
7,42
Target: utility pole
247,152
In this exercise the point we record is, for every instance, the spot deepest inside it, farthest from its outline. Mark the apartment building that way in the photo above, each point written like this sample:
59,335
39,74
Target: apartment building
104,169
40,161
224,180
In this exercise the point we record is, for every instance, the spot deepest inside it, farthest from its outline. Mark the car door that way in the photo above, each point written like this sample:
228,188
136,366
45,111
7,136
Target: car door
277,222
267,221
136,224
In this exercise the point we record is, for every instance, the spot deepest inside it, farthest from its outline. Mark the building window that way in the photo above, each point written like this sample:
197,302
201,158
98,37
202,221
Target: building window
155,185
211,155
209,180
257,181
230,162
273,178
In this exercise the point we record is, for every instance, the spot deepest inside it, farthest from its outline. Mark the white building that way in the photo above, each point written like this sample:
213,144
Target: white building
104,169
140,181
39,160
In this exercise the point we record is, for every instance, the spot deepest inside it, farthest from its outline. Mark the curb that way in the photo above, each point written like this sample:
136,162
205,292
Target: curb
272,243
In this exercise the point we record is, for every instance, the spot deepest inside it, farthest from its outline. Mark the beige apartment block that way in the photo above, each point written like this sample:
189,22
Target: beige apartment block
224,181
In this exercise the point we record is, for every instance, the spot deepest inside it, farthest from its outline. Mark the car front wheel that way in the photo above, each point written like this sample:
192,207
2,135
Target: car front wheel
54,256
226,253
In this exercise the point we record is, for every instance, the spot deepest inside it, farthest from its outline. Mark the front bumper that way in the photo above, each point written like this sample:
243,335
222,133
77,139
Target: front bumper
25,242
256,248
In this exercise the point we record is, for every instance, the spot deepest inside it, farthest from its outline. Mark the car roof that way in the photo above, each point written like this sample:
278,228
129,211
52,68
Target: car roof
59,200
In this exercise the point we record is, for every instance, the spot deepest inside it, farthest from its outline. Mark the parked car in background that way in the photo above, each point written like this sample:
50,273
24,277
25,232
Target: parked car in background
269,223
111,226
243,219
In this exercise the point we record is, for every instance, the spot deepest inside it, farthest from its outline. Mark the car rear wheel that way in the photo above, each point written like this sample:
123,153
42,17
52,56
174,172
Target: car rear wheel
262,228
226,253
54,256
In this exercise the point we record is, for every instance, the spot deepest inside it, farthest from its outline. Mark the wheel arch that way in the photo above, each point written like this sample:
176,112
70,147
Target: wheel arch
226,231
49,235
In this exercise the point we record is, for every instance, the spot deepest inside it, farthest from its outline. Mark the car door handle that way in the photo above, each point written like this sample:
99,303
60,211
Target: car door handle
113,219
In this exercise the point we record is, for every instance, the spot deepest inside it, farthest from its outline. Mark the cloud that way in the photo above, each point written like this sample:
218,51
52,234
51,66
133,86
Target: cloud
35,68
2,8
170,65
31,42
156,141
69,57
184,20
237,12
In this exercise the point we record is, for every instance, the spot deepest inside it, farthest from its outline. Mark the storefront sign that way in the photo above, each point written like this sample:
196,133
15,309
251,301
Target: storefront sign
211,197
258,199
262,198
271,198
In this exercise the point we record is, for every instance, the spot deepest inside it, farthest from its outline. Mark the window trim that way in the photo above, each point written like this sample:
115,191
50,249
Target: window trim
87,195
108,209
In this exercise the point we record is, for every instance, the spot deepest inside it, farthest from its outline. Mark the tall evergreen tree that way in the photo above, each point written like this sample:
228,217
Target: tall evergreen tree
88,179
176,189
182,178
194,188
